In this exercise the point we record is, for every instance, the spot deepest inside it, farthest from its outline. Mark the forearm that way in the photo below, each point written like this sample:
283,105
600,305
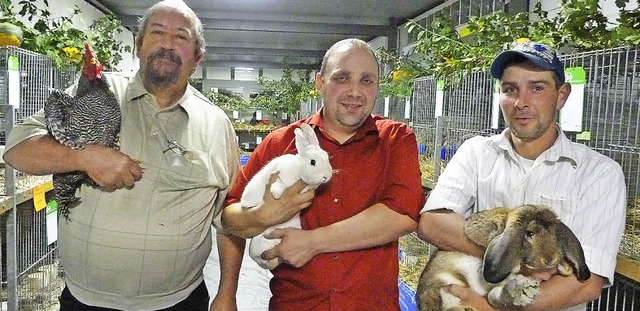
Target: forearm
445,230
230,252
562,292
377,225
242,222
42,155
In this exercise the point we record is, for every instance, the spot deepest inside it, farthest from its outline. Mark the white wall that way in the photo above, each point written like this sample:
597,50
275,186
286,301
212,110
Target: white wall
609,8
379,42
89,14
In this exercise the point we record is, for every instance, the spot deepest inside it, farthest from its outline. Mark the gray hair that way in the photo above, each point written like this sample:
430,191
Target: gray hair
351,42
178,6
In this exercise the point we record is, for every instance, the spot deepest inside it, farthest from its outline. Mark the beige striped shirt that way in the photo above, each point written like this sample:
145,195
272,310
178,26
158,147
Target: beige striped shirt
145,248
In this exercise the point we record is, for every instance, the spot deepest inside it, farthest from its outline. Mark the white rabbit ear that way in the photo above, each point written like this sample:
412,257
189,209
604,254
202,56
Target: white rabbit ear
310,133
305,136
301,140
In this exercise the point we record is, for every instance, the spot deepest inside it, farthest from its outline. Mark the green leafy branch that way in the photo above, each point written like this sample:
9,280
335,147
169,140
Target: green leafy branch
228,102
58,39
441,52
286,94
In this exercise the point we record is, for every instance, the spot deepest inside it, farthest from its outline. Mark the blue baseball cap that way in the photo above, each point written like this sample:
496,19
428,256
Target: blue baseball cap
537,53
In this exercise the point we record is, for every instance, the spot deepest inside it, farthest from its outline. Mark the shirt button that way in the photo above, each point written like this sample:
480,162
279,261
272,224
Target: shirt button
336,257
334,289
335,200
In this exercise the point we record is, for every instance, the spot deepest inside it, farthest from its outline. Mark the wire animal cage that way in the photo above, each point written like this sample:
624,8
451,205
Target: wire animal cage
30,270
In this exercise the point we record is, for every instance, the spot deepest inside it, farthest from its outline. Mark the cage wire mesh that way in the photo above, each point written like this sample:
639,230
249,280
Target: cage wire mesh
39,274
610,125
624,295
424,125
612,117
36,268
310,107
465,113
391,108
37,77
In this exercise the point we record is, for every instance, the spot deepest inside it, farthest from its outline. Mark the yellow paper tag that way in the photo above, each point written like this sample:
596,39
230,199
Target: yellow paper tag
39,201
583,136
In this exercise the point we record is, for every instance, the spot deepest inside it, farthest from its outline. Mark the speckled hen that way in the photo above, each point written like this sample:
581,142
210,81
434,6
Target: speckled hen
92,116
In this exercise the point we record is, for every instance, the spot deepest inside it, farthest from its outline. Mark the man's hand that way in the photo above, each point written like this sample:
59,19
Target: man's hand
222,303
276,211
295,248
110,168
249,222
469,298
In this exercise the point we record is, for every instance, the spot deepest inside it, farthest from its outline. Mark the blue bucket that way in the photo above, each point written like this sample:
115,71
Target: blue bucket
422,149
244,159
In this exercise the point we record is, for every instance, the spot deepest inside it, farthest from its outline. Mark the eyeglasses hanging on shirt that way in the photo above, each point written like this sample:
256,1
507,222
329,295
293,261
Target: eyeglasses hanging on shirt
175,147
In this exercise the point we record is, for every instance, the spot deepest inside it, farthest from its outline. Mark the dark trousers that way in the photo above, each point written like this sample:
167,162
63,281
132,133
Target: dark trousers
198,300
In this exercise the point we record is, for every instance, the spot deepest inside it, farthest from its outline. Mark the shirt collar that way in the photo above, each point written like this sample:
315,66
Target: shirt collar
136,89
561,149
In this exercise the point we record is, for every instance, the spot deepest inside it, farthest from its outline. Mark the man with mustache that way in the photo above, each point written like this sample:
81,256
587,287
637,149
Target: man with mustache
532,162
346,255
140,240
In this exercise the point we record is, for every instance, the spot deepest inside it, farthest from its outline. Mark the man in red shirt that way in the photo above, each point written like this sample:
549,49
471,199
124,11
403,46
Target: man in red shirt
346,255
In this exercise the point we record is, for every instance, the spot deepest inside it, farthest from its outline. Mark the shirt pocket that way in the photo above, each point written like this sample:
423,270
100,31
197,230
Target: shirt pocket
563,206
186,169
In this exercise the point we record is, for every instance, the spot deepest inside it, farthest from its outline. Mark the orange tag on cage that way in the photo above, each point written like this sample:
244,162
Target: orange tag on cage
39,202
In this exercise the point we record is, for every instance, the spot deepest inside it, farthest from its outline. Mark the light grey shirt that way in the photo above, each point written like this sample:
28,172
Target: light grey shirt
145,248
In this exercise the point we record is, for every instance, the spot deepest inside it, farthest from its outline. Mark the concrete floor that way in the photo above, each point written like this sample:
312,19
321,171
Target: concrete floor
253,284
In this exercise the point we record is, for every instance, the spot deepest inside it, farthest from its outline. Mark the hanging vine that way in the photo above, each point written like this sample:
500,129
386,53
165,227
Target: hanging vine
441,52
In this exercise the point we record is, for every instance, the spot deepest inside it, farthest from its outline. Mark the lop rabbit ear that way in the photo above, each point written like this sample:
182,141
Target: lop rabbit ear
573,253
503,255
483,226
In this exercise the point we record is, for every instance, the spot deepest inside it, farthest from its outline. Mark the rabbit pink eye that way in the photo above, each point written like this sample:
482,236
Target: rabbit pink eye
313,162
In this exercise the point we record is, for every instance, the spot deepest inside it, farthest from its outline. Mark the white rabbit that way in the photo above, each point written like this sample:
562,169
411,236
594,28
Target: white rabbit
311,164
519,241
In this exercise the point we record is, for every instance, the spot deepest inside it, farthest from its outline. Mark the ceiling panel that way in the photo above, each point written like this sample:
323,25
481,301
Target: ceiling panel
281,33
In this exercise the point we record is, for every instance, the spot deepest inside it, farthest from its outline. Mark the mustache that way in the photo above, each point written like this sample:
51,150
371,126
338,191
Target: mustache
165,54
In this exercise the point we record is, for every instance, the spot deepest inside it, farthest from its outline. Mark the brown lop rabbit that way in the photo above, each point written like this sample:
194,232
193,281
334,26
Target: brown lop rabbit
519,241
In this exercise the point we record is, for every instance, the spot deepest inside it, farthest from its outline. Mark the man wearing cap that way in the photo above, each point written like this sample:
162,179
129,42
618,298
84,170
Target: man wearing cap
532,162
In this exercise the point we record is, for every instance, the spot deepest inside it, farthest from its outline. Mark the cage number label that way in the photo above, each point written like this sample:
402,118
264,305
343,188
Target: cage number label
13,71
39,202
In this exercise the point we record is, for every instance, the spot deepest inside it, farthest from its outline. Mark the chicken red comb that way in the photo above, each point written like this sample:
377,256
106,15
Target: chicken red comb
91,66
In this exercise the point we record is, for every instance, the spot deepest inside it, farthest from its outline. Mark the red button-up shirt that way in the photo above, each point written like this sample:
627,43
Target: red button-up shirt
379,164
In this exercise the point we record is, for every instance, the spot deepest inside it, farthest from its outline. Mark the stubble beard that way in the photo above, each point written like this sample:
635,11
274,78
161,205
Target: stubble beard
526,135
351,122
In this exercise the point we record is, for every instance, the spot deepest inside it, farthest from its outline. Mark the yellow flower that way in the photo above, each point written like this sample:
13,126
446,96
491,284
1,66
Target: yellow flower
313,93
448,60
7,39
399,74
72,54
